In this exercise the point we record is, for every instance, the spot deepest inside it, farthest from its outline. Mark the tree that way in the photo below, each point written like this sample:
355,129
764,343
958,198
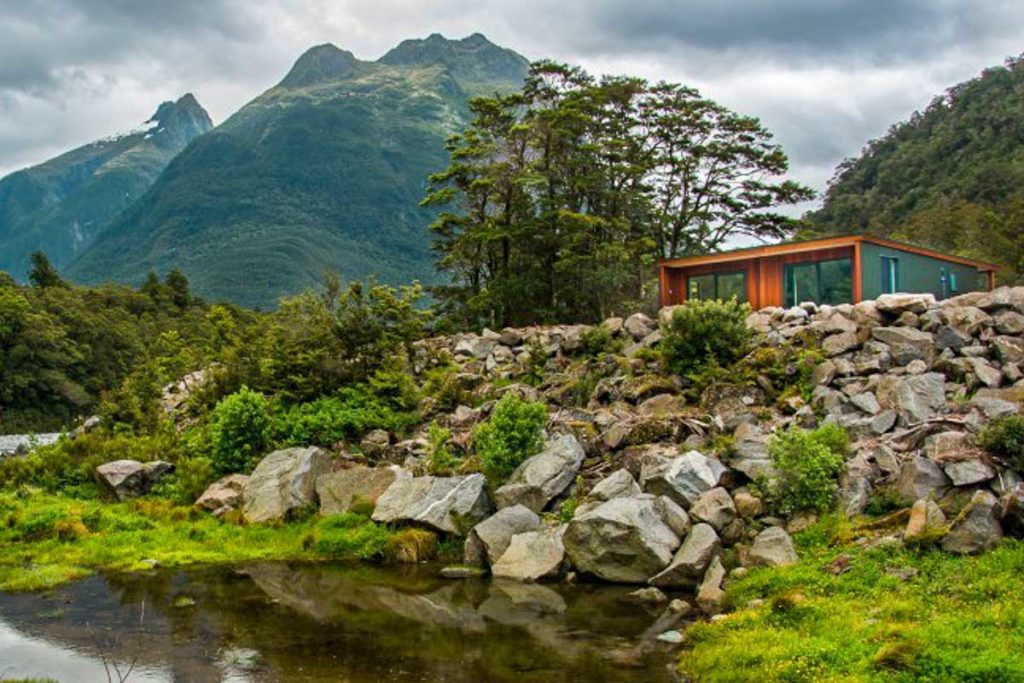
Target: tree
558,199
178,284
43,274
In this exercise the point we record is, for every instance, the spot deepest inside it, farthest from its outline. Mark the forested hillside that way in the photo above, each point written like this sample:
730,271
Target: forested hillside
951,177
324,171
61,205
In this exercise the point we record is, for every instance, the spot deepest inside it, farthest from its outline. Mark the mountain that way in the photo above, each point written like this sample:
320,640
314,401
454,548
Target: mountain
950,177
323,171
61,205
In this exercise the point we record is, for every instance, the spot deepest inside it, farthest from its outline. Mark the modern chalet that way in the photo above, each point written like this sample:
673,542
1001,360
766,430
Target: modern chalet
831,270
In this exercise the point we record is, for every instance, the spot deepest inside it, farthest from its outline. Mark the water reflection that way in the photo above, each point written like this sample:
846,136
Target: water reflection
283,622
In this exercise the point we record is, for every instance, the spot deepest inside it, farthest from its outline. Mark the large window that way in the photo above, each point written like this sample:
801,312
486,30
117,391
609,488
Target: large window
823,282
717,286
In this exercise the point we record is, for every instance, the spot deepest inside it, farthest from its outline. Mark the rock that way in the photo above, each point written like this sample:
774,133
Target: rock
683,479
1009,349
977,527
490,538
679,607
639,326
618,484
773,547
948,337
969,319
670,637
337,491
823,373
673,515
532,556
866,402
451,505
540,478
895,304
837,344
922,342
854,494
921,478
224,494
649,595
916,398
692,559
624,540
131,478
710,593
949,445
714,507
985,373
968,472
748,506
283,483
662,406
375,443
884,421
926,521
461,572
1010,323
1011,510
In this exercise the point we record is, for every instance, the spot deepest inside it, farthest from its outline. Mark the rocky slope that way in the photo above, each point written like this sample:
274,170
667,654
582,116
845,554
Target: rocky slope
60,206
324,171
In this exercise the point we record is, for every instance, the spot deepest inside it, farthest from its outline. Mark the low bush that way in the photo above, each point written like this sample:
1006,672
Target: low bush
347,415
704,332
349,536
440,459
511,435
807,464
1005,438
596,340
239,431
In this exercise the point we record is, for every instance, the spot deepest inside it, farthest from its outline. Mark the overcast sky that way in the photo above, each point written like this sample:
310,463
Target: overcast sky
824,75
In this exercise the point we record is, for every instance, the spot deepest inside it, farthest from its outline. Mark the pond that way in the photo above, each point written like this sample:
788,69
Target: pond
299,622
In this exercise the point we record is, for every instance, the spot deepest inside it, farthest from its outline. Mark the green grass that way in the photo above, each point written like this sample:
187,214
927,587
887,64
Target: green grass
957,619
46,539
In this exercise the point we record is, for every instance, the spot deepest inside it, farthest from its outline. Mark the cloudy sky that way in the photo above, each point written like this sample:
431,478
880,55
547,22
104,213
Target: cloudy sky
824,75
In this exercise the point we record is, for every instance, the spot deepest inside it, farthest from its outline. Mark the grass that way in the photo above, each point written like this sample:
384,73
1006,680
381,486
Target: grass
47,539
953,618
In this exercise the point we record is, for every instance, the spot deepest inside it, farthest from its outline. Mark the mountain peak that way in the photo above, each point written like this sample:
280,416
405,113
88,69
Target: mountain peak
184,117
320,64
472,57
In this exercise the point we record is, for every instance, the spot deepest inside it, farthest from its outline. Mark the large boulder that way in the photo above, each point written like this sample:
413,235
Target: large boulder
283,483
922,342
683,479
701,546
625,540
921,478
916,397
131,478
452,505
540,478
773,547
926,520
714,507
223,495
337,491
532,556
618,484
490,538
977,528
896,304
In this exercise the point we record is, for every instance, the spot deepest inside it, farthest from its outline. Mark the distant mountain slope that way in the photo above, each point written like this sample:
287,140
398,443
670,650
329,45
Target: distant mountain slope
951,177
61,205
323,171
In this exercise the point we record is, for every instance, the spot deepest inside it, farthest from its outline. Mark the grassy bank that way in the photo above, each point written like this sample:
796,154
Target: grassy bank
48,539
848,612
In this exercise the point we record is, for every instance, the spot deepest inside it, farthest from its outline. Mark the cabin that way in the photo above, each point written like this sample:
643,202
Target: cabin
830,270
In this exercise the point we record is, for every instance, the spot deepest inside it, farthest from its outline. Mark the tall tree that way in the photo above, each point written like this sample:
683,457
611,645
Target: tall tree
559,199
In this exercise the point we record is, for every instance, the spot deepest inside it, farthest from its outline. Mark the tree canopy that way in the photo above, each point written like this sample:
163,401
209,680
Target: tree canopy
559,198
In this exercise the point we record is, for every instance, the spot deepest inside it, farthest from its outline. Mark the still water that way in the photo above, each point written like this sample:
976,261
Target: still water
295,622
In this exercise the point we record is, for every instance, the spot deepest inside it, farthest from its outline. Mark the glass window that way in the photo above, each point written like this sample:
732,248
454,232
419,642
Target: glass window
717,286
823,282
732,285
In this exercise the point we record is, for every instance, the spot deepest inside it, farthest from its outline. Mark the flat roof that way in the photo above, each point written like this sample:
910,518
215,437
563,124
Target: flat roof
815,244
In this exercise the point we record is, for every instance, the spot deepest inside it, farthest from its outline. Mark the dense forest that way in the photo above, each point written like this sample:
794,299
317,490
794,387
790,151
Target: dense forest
951,177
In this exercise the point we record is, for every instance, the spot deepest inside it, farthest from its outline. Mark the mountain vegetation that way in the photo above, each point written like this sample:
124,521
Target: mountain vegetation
950,177
559,198
60,206
322,172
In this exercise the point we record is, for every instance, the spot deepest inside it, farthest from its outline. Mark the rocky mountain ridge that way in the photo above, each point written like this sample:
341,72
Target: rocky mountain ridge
62,205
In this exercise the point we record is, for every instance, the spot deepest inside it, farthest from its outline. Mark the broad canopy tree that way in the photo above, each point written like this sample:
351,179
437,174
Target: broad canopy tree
559,198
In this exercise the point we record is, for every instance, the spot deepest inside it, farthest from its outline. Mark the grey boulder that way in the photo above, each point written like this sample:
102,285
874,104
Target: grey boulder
451,505
131,478
224,494
977,527
701,546
683,479
337,491
540,478
773,547
283,483
532,556
489,539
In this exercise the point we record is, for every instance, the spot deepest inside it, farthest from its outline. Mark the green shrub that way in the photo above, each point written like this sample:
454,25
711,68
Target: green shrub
1005,438
511,435
440,459
702,332
239,431
596,340
348,415
807,463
